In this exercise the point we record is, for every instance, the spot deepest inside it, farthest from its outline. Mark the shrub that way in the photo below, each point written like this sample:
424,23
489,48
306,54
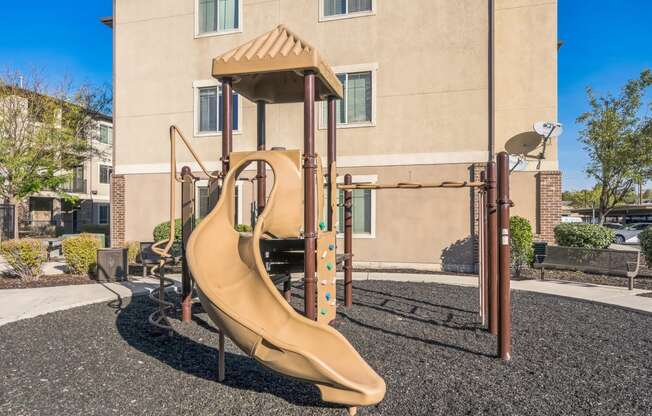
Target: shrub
645,237
25,257
162,231
80,253
520,233
583,235
133,250
243,228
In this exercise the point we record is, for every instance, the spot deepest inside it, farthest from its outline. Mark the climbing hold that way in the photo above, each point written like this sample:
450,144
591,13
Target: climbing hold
324,282
328,295
323,311
322,225
329,266
324,254
331,247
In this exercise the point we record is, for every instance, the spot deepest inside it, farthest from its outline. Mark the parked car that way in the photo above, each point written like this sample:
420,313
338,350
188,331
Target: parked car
613,225
629,234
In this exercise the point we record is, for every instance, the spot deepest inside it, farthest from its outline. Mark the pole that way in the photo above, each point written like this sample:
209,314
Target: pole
505,323
227,122
261,176
348,243
227,146
492,81
187,225
492,248
332,157
482,252
309,194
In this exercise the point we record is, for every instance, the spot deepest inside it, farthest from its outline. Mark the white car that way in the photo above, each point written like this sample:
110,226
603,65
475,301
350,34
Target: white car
629,234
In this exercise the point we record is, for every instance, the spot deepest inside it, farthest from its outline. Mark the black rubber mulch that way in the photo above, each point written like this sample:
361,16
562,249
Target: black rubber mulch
570,357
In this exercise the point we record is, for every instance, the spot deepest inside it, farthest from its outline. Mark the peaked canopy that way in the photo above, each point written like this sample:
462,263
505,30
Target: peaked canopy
270,68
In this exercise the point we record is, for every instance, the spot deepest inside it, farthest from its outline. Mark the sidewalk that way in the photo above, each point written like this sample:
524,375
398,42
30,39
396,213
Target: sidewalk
610,295
18,304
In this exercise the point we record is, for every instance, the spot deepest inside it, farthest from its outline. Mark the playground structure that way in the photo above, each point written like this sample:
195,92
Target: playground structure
233,282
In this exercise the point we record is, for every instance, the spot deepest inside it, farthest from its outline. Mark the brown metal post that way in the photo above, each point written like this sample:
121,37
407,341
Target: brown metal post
332,158
227,122
485,256
261,176
492,248
309,169
187,226
504,302
348,243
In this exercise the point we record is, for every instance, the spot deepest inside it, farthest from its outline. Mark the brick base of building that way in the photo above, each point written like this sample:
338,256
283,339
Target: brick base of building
118,210
548,204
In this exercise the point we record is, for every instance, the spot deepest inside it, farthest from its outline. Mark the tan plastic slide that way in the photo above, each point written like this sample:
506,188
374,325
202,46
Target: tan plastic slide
237,293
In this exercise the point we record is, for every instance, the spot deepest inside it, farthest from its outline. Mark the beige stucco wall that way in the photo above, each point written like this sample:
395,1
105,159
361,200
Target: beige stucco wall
431,99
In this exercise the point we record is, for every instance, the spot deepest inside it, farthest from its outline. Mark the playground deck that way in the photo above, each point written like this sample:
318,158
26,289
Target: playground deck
570,357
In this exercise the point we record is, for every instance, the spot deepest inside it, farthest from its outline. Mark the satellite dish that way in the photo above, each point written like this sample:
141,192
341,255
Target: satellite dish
523,143
548,129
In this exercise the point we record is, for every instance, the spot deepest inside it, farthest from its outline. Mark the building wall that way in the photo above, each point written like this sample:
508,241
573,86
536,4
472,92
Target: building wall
430,98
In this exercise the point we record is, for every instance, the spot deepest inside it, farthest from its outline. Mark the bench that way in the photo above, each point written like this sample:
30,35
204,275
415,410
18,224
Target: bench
604,261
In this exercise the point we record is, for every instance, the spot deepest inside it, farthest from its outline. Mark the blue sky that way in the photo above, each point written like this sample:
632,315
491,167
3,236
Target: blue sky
605,44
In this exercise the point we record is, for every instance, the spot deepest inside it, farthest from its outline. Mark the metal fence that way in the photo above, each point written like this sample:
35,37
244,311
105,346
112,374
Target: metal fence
7,215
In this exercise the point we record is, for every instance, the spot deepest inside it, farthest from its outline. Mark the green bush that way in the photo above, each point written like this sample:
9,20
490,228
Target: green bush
133,250
25,257
81,253
583,235
243,228
645,237
520,234
162,231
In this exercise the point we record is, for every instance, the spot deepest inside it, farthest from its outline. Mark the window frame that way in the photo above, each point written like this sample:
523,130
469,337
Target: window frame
351,69
347,15
196,86
219,32
357,179
99,173
108,213
203,183
110,134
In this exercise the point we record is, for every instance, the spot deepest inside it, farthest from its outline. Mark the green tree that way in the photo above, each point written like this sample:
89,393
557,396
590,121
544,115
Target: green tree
44,133
618,141
584,198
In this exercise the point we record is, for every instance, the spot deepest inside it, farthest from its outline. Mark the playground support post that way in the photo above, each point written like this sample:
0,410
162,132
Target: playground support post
309,194
492,248
482,252
261,176
187,225
504,203
332,158
348,243
227,122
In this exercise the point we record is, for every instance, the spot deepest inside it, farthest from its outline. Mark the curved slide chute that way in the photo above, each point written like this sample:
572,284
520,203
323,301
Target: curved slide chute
238,295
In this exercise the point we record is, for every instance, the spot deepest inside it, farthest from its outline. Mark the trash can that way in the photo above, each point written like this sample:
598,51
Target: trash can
112,265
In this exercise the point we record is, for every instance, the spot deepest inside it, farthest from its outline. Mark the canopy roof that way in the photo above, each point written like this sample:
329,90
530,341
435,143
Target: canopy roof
271,67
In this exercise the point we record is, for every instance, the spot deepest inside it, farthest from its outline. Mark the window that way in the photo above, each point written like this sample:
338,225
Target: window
357,106
337,9
218,16
105,133
105,174
208,109
202,201
364,209
103,214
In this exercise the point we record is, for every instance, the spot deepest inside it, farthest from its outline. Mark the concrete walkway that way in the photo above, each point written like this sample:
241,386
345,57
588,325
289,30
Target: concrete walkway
610,295
17,304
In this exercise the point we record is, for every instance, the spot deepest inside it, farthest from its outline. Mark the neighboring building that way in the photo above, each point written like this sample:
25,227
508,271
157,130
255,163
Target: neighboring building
43,212
417,84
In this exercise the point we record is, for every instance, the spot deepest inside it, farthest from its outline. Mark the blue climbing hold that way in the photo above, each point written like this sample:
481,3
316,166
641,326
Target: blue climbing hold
331,247
328,296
